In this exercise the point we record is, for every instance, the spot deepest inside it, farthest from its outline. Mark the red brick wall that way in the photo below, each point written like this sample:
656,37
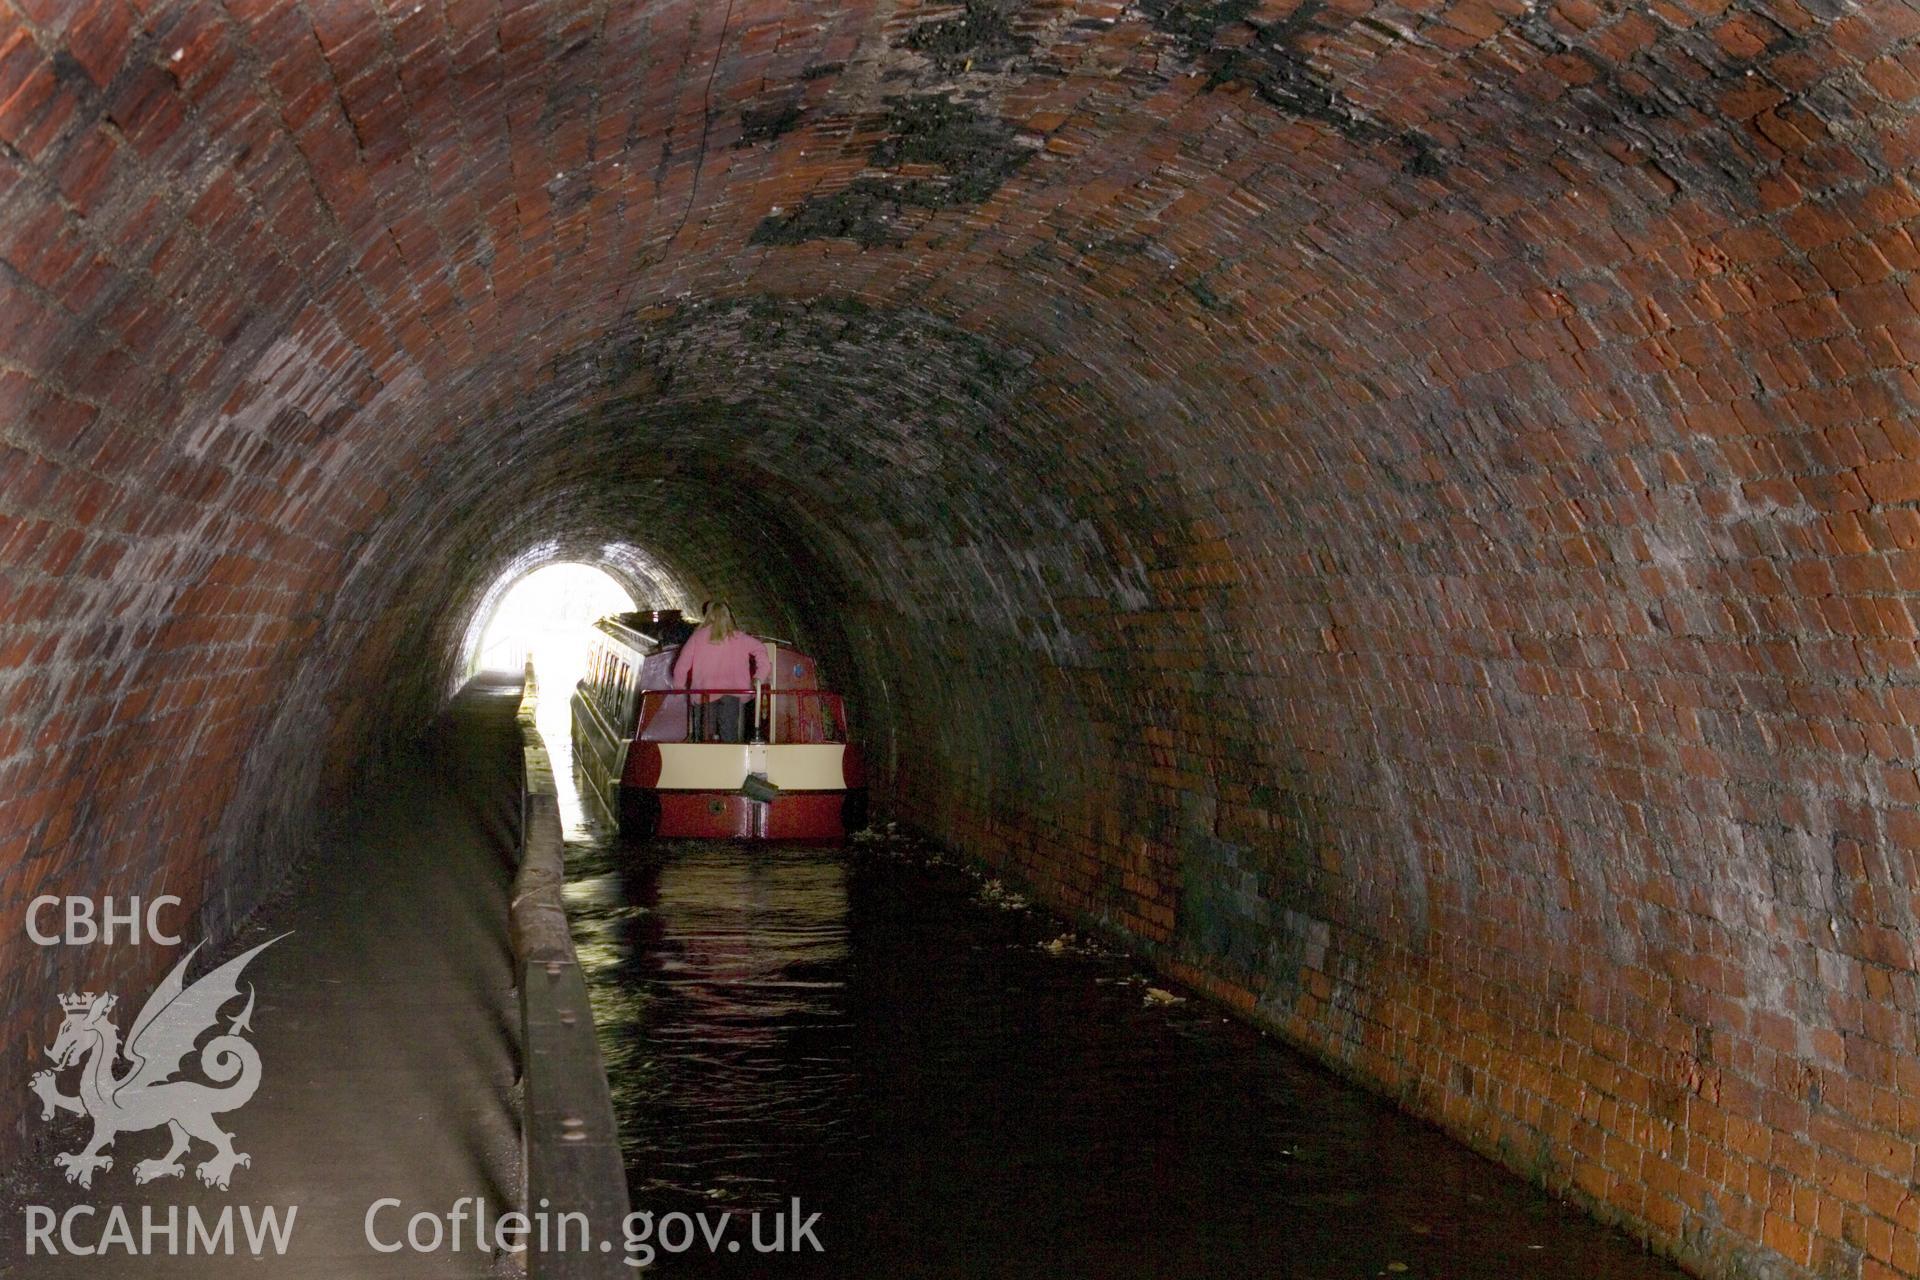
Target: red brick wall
1404,509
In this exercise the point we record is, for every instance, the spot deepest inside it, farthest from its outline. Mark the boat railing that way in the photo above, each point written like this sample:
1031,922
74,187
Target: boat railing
778,716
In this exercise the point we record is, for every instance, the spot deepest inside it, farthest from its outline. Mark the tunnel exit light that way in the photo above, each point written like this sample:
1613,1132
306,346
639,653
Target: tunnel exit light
545,616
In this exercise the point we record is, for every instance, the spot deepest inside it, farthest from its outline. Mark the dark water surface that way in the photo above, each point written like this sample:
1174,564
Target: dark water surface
960,1088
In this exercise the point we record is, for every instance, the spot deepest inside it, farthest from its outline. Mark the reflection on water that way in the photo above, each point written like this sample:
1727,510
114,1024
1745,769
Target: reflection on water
720,995
963,1088
553,717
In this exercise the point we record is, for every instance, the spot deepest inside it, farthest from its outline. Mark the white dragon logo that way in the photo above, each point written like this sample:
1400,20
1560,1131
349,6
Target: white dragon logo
145,1096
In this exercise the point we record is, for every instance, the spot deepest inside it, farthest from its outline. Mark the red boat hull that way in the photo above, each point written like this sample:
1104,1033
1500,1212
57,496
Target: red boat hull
720,815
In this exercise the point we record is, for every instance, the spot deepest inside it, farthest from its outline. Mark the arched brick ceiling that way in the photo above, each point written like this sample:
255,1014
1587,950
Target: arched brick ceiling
1404,508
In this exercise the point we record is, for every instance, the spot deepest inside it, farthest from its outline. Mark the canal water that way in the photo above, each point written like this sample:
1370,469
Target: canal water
959,1085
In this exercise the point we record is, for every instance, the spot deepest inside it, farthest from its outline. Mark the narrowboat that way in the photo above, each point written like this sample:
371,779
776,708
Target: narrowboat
647,753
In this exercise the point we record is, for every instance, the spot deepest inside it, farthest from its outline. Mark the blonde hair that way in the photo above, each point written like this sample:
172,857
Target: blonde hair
719,622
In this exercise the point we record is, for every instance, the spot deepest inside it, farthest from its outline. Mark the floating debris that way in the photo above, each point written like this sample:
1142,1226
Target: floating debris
999,895
1159,995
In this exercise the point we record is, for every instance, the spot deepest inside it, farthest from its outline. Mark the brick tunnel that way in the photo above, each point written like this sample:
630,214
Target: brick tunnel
1402,511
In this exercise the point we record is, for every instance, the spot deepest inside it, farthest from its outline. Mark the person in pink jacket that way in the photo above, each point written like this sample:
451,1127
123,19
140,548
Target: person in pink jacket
718,655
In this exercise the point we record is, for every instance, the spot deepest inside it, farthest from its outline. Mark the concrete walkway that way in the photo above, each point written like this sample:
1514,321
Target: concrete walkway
386,1027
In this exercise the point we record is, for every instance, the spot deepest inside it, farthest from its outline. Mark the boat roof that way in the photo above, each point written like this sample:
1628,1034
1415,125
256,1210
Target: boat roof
630,636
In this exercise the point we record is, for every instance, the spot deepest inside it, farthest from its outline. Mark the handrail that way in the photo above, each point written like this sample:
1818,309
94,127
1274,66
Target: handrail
570,1156
830,712
778,693
741,693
